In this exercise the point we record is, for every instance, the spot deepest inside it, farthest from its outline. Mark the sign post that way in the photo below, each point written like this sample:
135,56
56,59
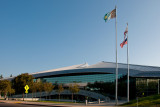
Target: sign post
26,89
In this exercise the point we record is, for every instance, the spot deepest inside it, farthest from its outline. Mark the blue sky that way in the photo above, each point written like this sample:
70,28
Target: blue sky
37,35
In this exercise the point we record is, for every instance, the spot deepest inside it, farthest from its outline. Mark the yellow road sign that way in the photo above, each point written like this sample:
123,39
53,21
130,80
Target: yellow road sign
26,91
26,87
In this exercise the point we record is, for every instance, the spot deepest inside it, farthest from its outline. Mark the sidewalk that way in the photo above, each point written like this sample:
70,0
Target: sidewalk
109,104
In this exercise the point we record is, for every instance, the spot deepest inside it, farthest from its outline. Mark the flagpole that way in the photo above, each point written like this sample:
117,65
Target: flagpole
116,86
128,69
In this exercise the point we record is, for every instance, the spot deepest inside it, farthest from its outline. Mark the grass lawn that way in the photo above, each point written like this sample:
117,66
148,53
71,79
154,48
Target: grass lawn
153,100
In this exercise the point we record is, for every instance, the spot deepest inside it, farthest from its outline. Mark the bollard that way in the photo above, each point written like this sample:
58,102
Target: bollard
99,101
86,102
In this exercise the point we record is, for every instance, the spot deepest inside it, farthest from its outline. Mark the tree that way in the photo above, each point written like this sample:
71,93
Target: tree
1,77
34,88
48,87
5,87
20,81
40,88
74,88
60,90
11,75
0,88
11,91
0,93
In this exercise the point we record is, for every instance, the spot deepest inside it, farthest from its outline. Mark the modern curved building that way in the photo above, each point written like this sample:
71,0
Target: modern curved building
144,79
103,72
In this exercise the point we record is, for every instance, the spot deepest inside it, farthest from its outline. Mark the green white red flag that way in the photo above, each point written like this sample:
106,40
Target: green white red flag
110,15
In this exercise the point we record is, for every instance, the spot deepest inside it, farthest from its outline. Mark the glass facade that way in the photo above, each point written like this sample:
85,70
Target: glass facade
146,81
90,78
147,86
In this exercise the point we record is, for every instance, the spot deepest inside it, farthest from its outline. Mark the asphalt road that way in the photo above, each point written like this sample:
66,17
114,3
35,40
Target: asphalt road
22,105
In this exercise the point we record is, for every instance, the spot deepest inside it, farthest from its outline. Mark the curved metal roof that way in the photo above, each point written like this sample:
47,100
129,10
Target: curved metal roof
63,68
102,67
120,65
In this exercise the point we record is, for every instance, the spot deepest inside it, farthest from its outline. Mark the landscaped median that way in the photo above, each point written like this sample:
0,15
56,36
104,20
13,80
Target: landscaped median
57,104
53,102
145,101
38,103
13,101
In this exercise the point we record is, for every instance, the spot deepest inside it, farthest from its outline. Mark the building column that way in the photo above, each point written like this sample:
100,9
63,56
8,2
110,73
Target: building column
147,87
158,85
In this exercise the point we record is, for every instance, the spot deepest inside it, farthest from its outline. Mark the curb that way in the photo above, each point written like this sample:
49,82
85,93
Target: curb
43,105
